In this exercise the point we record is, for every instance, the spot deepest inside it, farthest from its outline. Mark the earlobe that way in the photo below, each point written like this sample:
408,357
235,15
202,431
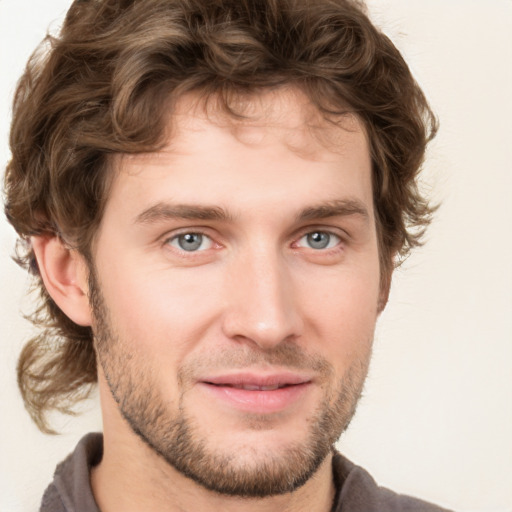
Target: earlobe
64,273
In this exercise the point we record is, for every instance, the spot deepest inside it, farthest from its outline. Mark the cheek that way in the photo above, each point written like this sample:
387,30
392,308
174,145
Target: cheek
164,313
343,314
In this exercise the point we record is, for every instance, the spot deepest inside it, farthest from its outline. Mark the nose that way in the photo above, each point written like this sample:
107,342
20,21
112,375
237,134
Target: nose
261,305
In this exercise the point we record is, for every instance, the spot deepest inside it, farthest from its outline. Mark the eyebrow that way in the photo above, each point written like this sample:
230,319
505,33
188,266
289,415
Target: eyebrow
336,208
165,211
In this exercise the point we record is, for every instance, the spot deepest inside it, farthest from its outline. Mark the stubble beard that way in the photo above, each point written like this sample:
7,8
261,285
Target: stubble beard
177,439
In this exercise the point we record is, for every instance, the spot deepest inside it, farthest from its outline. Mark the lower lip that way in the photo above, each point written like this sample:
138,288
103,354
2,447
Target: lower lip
258,402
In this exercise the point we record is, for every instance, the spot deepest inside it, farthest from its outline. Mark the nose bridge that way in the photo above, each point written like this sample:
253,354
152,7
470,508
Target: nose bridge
261,305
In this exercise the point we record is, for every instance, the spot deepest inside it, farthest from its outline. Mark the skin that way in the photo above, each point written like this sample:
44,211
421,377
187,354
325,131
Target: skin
258,295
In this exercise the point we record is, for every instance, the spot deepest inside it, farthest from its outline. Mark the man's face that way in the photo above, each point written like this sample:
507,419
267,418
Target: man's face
236,292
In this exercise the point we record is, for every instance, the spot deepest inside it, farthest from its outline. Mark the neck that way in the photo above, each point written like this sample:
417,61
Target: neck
123,484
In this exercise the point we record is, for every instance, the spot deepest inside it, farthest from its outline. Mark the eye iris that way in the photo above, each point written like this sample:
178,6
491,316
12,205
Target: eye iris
318,240
190,241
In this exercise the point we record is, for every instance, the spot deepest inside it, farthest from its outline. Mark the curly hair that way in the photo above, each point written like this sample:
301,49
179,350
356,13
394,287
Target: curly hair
98,89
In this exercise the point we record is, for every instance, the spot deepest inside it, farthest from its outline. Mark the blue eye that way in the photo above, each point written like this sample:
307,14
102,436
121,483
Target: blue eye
319,240
191,242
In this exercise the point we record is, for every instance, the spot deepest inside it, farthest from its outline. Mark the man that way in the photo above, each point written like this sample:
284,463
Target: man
213,196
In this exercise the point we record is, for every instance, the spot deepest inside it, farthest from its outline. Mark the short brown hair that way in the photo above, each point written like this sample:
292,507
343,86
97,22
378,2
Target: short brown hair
98,89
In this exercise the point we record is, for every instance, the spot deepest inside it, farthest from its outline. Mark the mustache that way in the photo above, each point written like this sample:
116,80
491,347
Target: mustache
288,356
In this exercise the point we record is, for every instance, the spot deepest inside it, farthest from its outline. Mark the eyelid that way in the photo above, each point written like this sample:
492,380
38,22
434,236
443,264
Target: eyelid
337,239
342,234
170,236
180,231
333,244
204,239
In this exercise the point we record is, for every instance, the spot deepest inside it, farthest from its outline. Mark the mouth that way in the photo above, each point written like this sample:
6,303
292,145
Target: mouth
262,394
253,387
258,381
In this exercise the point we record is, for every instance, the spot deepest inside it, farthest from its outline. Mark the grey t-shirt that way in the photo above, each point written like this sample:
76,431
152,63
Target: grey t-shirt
71,491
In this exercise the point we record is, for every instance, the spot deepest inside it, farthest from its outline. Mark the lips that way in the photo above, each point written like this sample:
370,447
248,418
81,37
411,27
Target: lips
257,393
253,387
255,382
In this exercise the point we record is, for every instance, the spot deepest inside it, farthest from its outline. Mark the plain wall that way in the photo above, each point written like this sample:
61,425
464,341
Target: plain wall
436,417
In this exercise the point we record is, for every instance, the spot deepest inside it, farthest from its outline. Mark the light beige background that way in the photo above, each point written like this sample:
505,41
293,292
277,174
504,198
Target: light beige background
436,418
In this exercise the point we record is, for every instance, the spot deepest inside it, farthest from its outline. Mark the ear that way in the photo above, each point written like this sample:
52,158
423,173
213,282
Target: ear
64,273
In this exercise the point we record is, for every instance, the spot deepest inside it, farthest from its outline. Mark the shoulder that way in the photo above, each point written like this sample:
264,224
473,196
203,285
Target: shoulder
70,490
52,501
358,492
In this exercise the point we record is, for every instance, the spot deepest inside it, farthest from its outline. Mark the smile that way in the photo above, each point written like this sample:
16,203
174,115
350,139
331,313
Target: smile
259,394
252,387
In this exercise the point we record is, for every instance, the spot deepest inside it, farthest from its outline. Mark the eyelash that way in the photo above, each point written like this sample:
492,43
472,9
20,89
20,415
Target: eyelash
175,238
323,232
212,244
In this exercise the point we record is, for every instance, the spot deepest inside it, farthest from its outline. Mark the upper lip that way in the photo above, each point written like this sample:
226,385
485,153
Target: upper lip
257,380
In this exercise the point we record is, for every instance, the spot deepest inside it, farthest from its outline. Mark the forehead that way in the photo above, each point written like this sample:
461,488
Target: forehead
265,145
282,116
